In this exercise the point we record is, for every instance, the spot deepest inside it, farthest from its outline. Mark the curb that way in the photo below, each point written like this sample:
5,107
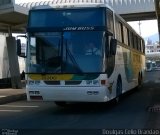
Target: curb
12,98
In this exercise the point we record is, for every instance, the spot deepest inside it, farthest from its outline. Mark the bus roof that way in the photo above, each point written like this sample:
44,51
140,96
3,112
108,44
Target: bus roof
84,4
72,5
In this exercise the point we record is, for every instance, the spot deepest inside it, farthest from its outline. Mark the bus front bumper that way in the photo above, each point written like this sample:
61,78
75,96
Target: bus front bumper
68,94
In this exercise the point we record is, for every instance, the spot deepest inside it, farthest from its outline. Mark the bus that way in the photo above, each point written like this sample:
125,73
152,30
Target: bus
151,65
57,68
148,65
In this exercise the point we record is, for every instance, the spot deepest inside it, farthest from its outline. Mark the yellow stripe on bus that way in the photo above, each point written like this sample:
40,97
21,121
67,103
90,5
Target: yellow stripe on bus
50,77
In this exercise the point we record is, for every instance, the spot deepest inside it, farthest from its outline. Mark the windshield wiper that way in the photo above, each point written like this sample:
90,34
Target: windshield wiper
72,58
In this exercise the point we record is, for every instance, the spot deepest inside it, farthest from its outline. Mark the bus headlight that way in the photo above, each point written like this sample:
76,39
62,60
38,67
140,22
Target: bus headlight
37,82
88,82
92,82
95,82
30,82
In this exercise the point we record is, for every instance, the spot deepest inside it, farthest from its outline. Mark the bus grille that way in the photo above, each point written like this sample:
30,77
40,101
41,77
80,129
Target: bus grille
52,82
72,82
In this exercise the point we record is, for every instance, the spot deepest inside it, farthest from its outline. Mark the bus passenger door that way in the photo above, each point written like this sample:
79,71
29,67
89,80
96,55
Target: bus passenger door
110,58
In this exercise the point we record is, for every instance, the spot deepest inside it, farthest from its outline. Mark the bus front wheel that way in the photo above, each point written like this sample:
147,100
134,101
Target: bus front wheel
60,103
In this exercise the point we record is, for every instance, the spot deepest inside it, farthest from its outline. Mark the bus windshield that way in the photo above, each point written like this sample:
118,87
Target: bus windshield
66,52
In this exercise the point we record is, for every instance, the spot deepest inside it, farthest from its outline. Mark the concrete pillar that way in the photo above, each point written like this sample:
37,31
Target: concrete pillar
13,62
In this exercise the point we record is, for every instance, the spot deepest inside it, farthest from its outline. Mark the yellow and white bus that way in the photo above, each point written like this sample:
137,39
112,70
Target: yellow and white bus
57,68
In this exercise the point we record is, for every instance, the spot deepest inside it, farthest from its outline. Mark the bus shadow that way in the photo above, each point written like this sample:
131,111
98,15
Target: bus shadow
94,108
84,108
89,108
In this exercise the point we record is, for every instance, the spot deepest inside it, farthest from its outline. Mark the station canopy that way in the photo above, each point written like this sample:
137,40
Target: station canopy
14,17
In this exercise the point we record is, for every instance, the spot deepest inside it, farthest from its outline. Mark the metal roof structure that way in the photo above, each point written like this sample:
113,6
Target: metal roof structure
15,16
12,16
130,10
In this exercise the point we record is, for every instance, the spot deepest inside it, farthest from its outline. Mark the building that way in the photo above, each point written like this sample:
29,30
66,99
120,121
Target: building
152,50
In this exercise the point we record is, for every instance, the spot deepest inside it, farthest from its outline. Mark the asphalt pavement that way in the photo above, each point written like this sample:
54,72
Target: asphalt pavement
151,91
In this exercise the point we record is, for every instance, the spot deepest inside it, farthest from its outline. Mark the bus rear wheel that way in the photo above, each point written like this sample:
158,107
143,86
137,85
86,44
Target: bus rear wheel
118,89
139,82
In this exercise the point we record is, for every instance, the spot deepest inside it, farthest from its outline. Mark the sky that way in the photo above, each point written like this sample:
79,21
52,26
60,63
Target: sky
146,29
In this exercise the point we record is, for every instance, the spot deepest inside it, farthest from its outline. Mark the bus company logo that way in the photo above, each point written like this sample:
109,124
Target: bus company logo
110,87
78,28
49,77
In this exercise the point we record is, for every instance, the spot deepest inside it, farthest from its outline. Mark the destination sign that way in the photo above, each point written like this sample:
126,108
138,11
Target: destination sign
78,28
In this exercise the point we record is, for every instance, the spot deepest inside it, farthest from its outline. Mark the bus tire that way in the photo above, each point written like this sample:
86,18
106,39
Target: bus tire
139,81
118,89
60,103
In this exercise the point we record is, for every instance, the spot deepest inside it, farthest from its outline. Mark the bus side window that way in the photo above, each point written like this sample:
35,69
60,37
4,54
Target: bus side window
110,21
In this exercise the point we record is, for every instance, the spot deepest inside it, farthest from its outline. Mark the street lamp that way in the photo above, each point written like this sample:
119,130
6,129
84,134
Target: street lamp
139,24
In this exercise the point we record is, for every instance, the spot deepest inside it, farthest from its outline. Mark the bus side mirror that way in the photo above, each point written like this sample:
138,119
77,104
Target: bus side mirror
19,50
18,47
113,46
